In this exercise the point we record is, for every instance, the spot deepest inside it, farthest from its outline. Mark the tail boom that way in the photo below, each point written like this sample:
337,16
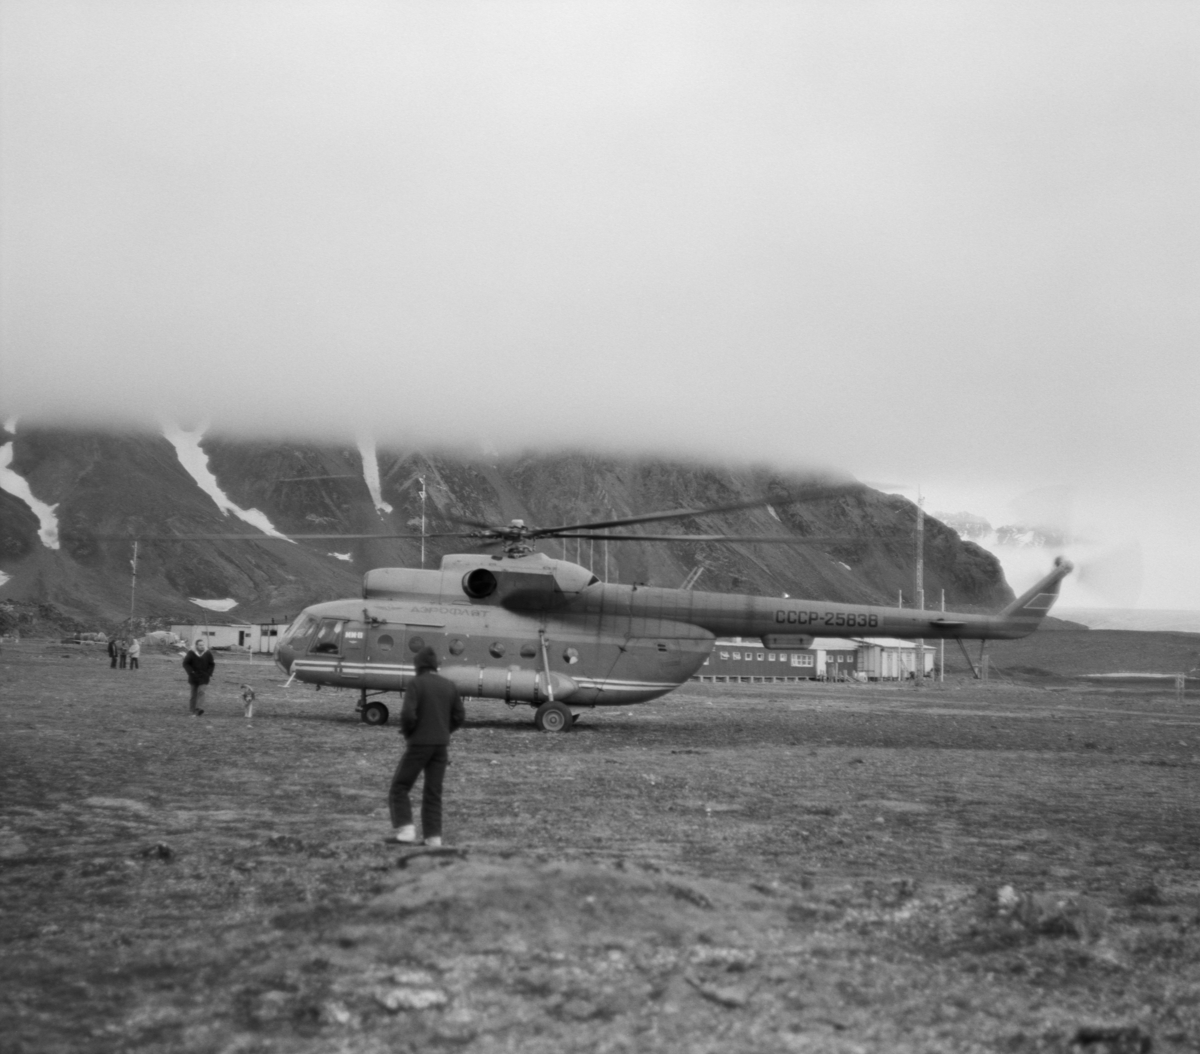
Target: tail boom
1025,614
725,615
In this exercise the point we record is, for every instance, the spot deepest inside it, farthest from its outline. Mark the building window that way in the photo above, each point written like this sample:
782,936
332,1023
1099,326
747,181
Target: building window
760,656
803,660
771,657
724,655
737,655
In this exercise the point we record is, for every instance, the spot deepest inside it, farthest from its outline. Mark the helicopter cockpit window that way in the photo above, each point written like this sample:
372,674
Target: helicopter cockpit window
593,580
299,630
329,637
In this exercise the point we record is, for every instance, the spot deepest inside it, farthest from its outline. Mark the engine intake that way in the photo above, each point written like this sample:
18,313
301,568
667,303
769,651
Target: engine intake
479,583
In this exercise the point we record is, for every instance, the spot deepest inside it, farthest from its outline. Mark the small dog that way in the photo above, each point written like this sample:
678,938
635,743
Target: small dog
248,700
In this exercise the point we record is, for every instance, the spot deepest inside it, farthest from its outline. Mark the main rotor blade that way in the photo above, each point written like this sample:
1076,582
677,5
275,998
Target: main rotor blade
467,522
775,539
813,494
272,537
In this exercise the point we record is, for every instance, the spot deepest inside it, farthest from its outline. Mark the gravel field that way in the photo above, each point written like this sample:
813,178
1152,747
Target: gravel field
957,867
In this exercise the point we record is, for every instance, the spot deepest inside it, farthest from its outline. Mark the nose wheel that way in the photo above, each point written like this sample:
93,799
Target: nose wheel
553,717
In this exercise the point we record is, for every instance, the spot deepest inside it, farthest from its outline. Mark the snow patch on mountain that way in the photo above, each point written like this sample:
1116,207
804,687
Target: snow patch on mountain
19,488
193,458
342,556
228,604
370,463
973,528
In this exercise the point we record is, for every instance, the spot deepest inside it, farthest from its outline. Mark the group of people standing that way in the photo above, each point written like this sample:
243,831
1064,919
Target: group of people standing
124,652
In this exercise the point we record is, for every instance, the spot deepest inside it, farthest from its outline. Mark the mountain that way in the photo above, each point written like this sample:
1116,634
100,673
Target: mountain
107,488
977,529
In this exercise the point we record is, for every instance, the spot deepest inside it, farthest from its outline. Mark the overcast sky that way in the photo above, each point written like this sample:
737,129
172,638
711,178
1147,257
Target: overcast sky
950,245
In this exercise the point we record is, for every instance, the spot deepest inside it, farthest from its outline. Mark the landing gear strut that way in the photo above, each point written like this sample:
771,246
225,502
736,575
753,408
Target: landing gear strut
553,717
371,713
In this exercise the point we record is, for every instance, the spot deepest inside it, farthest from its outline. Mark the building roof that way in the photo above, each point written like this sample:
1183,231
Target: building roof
827,643
824,643
891,642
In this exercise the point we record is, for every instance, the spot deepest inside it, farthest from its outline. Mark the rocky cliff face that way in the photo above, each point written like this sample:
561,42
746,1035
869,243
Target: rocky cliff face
109,488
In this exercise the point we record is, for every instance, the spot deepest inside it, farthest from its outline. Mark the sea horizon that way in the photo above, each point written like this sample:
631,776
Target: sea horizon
1156,620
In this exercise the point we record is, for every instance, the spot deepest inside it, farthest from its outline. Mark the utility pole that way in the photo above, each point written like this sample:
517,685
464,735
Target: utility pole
133,586
422,479
942,645
920,576
920,572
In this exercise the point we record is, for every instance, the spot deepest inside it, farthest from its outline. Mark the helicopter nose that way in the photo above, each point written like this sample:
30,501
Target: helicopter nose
283,658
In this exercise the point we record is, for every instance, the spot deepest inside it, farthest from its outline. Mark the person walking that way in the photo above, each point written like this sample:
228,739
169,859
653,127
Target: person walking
113,652
432,710
135,653
199,664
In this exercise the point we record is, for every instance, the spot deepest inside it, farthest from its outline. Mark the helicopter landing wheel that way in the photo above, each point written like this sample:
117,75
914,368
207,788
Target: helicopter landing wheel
553,717
375,714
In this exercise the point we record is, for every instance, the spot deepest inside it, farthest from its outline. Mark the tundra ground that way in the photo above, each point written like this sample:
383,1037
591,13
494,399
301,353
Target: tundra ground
957,867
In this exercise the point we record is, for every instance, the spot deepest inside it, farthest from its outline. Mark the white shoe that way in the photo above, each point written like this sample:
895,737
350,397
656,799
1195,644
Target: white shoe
434,841
406,834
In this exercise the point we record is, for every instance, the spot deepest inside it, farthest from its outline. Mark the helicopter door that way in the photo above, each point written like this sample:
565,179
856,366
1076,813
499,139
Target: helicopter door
342,641
385,643
353,648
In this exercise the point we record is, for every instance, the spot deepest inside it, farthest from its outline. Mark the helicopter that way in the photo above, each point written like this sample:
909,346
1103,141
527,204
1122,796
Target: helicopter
523,627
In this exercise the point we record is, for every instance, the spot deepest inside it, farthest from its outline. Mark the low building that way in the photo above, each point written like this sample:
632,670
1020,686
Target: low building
256,637
890,659
828,659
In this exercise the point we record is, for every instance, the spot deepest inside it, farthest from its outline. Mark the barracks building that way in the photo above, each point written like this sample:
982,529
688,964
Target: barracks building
828,659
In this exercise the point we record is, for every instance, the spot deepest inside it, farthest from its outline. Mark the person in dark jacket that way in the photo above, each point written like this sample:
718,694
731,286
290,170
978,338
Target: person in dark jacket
199,665
432,710
113,652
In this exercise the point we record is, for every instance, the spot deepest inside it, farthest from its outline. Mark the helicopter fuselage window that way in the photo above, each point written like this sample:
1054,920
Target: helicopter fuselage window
299,630
328,640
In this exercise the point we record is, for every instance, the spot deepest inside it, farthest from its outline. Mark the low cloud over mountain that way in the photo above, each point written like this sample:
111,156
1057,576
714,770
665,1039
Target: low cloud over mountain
109,488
